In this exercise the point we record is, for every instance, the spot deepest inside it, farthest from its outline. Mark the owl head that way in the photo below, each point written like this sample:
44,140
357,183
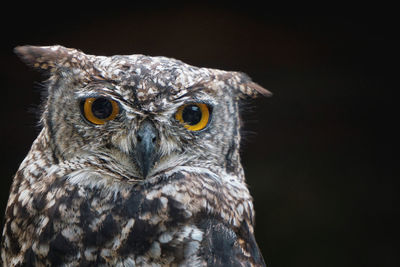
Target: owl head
142,115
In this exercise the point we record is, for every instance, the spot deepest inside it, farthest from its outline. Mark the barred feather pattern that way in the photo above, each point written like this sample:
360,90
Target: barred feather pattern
79,197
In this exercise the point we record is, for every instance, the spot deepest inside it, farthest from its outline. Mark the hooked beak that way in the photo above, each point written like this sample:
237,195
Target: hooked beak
145,150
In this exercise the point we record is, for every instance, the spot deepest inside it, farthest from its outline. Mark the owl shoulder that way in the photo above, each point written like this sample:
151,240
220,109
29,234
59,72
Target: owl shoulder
224,246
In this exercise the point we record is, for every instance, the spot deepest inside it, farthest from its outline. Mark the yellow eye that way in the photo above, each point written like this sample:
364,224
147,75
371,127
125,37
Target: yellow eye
99,110
194,117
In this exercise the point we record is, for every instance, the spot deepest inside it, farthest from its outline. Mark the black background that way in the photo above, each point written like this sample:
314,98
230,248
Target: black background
319,155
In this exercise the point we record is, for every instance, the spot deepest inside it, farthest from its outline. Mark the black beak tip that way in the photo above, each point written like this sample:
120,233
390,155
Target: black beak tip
145,170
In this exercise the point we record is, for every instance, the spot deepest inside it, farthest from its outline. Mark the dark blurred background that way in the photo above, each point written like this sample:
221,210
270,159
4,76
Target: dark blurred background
319,155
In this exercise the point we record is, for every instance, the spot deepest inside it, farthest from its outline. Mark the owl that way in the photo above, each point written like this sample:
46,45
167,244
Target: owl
137,164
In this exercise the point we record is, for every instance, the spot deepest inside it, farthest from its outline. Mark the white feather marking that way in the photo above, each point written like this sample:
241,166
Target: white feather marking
41,249
155,250
168,190
191,248
14,227
197,234
94,180
72,233
24,196
164,202
152,194
90,253
105,252
127,228
128,262
239,209
165,237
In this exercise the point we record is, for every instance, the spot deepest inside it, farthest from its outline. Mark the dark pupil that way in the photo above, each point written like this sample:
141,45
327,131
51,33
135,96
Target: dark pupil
191,114
102,108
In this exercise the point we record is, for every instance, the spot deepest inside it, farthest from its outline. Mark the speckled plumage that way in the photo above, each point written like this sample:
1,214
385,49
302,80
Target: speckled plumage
79,198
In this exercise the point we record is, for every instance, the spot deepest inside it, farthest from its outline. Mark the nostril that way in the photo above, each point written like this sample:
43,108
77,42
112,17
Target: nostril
139,138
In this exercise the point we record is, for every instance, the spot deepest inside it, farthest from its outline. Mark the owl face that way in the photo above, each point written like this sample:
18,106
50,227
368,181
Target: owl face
143,115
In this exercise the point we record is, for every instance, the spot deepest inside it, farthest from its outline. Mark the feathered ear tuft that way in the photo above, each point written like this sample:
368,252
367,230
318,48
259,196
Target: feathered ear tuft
253,90
50,58
248,88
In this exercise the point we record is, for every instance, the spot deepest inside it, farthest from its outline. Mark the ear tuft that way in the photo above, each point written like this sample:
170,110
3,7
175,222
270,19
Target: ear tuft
253,90
49,58
248,88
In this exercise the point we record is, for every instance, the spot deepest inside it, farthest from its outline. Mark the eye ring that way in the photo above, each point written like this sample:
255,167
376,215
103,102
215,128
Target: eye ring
99,110
193,116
